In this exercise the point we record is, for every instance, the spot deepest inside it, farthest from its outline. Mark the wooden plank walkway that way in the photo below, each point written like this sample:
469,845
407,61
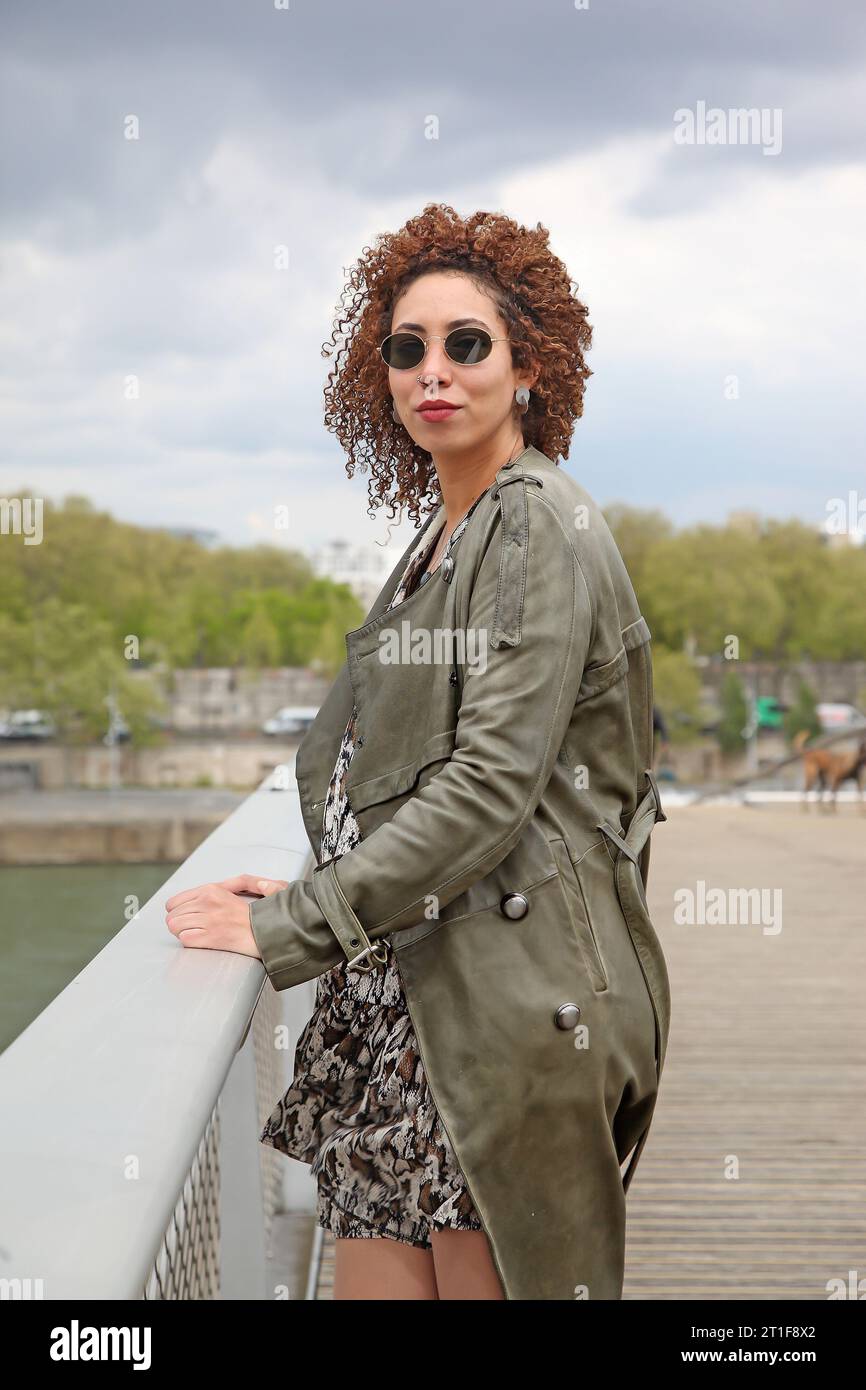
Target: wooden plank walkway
752,1183
766,1067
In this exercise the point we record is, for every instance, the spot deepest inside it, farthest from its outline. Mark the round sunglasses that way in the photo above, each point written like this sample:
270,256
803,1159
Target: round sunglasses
466,346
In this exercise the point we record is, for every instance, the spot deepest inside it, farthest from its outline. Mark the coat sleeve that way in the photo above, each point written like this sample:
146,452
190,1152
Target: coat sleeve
513,717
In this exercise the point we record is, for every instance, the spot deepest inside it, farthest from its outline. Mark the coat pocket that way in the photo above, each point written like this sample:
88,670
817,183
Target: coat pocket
601,676
401,780
579,913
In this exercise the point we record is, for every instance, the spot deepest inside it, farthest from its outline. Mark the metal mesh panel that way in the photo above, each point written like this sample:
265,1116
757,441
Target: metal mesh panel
270,1083
187,1265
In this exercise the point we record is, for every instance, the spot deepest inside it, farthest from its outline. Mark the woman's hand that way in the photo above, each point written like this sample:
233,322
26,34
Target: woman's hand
214,916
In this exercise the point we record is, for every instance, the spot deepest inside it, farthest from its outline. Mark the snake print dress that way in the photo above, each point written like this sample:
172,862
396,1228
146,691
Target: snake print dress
359,1110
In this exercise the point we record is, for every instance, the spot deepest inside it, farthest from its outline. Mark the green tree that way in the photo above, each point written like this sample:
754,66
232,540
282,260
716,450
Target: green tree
187,604
802,714
734,715
677,692
838,631
66,661
798,564
259,643
637,531
709,583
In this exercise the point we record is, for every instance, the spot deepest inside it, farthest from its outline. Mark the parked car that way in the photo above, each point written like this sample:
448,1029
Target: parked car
292,719
839,716
28,724
770,712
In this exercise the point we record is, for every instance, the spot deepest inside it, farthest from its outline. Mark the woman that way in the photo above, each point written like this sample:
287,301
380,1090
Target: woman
492,1002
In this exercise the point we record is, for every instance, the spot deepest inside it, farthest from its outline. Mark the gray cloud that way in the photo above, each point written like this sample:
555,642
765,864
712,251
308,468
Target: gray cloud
306,127
345,88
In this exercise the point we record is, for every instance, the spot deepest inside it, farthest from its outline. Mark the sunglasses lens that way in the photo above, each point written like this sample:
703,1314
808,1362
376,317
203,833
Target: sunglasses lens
403,350
468,345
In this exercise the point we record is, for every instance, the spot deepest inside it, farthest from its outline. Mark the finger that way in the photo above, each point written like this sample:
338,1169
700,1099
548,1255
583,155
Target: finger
249,883
184,909
241,883
185,896
267,886
192,936
181,921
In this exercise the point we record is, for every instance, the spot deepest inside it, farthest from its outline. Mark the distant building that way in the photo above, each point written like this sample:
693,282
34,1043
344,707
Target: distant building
748,522
840,540
845,523
225,700
191,533
364,568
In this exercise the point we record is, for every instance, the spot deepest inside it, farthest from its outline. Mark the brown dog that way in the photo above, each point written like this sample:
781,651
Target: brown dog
829,770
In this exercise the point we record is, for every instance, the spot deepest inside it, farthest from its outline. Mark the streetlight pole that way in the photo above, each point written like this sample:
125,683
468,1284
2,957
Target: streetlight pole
750,732
111,740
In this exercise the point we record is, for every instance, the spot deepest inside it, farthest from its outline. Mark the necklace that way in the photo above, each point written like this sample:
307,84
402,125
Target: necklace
439,548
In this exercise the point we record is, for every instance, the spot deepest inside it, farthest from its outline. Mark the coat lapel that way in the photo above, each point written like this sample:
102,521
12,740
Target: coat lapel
317,752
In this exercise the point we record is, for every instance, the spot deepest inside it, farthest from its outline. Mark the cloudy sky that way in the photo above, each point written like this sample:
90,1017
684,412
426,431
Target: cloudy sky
725,281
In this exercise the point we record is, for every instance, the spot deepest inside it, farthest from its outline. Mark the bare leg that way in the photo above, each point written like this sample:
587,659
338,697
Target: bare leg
376,1267
464,1266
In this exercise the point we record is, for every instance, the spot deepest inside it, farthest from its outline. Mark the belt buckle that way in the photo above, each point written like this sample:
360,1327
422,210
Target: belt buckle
374,959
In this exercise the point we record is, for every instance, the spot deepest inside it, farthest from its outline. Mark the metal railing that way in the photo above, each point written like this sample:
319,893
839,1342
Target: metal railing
131,1107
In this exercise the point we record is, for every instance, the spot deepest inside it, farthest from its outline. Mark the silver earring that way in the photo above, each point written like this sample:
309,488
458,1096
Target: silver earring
521,396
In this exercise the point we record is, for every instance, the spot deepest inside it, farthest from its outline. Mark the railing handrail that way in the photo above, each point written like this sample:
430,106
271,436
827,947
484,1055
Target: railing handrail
105,1096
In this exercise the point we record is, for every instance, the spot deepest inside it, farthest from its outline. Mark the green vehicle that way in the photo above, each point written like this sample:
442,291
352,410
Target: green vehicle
770,712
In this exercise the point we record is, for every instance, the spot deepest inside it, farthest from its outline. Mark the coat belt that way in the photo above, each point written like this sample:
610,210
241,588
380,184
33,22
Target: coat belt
646,813
359,950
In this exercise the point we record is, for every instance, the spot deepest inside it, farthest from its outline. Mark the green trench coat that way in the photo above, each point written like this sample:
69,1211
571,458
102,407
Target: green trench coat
503,788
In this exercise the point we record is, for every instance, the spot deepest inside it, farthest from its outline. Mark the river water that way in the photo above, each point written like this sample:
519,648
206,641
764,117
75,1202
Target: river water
55,918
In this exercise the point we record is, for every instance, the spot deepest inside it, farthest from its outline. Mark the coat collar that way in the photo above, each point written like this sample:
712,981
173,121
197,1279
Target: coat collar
511,502
515,468
529,457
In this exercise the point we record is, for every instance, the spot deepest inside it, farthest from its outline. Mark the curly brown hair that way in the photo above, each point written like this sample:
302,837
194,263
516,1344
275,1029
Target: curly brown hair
532,290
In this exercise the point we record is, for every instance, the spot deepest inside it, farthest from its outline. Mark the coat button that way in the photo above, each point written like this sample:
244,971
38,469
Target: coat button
447,568
514,905
567,1016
